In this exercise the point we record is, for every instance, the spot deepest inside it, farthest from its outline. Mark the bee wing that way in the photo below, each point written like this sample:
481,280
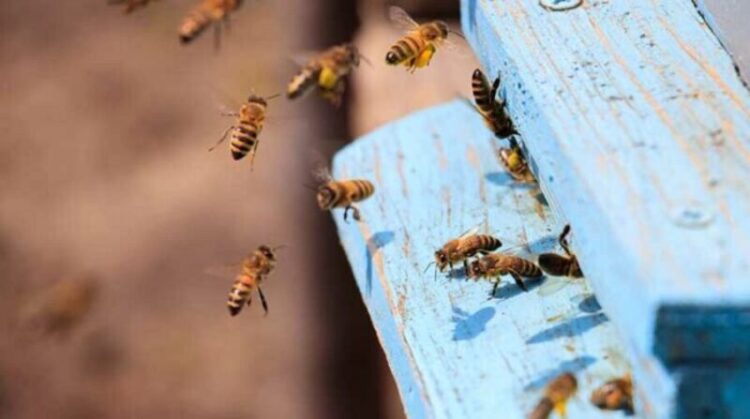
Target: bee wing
320,168
303,58
224,271
401,19
553,284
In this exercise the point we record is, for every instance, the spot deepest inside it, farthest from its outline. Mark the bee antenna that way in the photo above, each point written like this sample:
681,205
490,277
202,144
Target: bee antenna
281,246
365,59
273,96
460,35
428,267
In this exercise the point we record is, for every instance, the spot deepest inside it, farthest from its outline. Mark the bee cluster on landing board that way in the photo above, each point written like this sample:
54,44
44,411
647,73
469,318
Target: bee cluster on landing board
326,72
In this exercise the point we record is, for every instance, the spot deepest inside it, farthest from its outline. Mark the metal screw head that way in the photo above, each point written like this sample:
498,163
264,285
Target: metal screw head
560,5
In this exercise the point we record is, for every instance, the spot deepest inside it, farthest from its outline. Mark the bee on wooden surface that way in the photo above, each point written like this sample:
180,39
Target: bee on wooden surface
247,128
205,14
64,305
515,163
559,265
492,110
255,268
328,71
341,193
615,394
415,49
131,5
556,394
464,247
495,265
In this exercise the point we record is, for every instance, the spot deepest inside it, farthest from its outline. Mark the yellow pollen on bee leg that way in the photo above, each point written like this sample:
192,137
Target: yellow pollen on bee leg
560,409
327,78
424,57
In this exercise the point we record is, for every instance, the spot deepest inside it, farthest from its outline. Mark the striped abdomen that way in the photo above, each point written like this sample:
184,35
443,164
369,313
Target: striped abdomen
206,13
559,265
489,107
499,264
244,138
302,81
240,293
405,49
470,245
346,192
483,95
194,23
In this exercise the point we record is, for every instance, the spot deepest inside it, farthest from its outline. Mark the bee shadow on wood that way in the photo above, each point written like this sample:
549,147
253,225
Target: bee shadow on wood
589,304
573,366
375,243
510,289
468,326
572,327
457,273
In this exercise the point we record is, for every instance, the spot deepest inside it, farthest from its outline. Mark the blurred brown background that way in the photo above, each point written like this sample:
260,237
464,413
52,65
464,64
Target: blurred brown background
104,175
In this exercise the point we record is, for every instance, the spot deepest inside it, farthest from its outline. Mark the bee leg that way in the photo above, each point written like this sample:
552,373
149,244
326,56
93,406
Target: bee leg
355,212
466,267
263,301
519,280
249,299
252,155
223,137
494,288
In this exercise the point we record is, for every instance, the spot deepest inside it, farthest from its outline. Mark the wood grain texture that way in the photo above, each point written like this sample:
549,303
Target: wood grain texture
456,353
637,126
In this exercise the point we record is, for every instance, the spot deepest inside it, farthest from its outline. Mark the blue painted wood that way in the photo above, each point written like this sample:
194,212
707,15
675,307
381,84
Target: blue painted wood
637,126
454,352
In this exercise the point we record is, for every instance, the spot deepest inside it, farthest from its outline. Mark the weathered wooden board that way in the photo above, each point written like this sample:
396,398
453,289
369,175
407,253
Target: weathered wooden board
638,128
455,352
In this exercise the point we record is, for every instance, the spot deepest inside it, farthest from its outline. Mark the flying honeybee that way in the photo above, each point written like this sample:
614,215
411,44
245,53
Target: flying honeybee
131,5
247,128
255,268
515,163
64,305
492,110
463,248
495,265
416,48
205,14
559,265
327,70
615,394
341,193
556,394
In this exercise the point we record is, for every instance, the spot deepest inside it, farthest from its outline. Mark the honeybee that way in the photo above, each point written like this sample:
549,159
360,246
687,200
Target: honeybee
206,13
416,48
495,265
131,5
341,193
64,305
463,248
515,163
327,70
255,268
556,394
248,127
615,394
555,264
492,110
